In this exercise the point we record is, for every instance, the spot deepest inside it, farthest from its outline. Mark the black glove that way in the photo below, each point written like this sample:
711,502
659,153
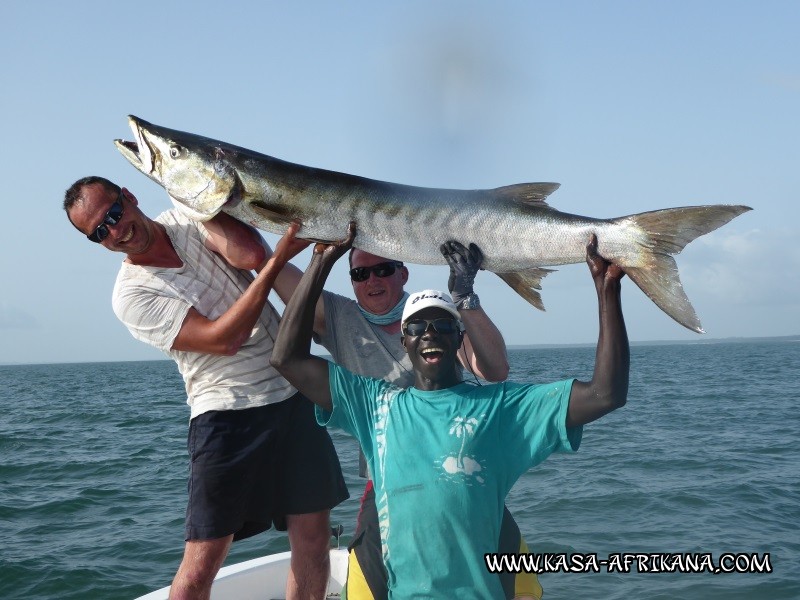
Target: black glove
464,265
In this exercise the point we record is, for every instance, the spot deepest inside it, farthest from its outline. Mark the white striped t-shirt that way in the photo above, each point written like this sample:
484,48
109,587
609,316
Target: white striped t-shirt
153,302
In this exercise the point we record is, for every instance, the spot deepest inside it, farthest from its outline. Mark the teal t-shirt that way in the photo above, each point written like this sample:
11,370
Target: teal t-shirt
442,464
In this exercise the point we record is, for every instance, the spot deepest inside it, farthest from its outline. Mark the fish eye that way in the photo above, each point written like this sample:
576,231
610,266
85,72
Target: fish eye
176,151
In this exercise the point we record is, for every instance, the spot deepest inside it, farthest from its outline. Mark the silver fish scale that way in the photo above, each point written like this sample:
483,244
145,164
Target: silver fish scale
414,230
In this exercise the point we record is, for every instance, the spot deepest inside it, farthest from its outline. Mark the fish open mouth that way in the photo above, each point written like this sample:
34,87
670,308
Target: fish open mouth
132,146
138,152
130,150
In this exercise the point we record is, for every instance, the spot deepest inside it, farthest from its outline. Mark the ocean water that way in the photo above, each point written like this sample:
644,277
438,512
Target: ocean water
703,459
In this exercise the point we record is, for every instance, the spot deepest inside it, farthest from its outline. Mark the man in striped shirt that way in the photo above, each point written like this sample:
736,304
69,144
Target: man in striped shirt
257,456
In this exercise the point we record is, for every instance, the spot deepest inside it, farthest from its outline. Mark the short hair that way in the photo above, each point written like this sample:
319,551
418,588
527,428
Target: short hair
75,192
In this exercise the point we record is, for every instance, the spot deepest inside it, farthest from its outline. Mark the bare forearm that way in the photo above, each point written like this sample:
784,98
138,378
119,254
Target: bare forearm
292,352
484,346
294,337
226,334
608,388
242,247
236,324
612,360
286,283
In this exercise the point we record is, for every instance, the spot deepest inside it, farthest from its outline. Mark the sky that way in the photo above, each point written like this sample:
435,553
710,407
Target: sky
631,106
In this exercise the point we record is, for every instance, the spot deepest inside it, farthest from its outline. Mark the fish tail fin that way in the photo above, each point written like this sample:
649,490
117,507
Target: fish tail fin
526,283
667,232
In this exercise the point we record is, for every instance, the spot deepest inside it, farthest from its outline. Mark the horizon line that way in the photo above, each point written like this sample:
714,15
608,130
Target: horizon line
733,339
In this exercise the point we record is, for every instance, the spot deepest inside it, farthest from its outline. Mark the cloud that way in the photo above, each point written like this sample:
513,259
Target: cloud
756,267
12,317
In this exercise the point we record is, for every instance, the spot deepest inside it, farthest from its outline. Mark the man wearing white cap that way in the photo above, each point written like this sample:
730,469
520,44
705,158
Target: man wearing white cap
363,336
444,453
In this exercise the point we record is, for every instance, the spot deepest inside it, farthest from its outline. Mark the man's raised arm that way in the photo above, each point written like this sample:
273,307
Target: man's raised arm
608,389
241,247
292,352
487,357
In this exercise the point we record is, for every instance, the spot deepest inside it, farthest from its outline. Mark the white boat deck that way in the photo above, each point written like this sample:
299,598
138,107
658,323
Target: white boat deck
264,578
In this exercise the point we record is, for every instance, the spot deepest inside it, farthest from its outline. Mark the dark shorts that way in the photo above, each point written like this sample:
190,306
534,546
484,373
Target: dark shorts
250,468
366,575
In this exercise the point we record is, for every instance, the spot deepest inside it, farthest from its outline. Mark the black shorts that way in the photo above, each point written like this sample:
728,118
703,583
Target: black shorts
250,468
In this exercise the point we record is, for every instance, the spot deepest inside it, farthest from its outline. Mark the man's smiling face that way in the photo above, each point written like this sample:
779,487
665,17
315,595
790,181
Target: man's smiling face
433,353
132,234
377,295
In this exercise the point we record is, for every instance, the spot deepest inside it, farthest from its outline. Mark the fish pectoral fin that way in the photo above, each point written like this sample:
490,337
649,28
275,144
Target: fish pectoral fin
525,283
319,240
527,193
270,215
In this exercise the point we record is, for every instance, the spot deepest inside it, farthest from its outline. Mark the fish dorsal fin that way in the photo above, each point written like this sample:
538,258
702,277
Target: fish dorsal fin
527,193
526,283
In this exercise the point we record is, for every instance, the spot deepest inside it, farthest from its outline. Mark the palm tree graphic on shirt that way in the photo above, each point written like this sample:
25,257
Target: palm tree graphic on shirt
463,428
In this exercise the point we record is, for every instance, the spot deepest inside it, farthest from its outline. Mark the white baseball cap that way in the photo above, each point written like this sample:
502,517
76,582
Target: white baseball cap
427,298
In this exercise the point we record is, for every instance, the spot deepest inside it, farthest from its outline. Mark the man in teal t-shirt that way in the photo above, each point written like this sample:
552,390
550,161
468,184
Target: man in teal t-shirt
444,453
442,462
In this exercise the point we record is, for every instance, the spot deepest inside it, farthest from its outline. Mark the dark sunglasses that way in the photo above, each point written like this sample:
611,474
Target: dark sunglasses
384,269
112,217
442,325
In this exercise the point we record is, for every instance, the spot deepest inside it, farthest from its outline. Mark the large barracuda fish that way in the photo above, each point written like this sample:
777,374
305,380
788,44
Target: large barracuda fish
519,233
